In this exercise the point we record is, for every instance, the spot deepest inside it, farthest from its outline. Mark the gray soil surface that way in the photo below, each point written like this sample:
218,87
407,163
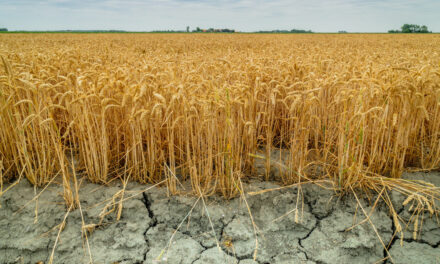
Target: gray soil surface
212,230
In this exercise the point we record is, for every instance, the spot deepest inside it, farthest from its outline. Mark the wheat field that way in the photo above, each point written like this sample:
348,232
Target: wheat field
202,107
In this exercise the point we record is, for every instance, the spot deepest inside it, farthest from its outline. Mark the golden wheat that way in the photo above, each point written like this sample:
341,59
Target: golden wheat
193,107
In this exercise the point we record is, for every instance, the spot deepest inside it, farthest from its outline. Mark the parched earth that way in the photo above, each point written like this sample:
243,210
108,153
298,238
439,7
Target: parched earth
212,230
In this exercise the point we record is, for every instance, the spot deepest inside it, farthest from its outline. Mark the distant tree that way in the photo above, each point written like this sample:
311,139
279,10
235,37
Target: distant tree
285,31
406,28
217,30
342,31
3,29
187,28
300,31
411,28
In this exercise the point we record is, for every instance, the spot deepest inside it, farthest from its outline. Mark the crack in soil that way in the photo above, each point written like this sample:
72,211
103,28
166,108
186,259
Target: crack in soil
231,254
146,200
147,203
317,223
222,234
48,256
392,241
198,257
394,238
303,249
208,248
309,252
222,231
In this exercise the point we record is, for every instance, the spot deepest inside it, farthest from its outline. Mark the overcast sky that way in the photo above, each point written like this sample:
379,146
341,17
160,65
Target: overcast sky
242,15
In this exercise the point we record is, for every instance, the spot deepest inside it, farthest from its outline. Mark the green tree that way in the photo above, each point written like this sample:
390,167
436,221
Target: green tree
411,28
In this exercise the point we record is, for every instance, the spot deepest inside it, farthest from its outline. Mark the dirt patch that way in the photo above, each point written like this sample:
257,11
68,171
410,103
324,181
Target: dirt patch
149,221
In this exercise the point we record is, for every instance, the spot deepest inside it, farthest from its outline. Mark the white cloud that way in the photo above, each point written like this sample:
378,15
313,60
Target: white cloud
245,15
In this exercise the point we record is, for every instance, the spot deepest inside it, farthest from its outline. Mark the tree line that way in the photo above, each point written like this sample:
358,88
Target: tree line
285,31
406,28
411,28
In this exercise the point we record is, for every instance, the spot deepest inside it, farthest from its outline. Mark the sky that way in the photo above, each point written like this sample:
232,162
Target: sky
241,15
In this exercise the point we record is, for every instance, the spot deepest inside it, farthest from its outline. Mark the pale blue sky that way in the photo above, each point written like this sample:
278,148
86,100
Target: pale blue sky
242,15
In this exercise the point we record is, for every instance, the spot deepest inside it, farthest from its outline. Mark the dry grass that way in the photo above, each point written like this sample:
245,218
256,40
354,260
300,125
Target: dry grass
193,107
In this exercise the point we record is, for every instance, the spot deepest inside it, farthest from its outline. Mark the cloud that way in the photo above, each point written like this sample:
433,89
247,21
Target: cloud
245,15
